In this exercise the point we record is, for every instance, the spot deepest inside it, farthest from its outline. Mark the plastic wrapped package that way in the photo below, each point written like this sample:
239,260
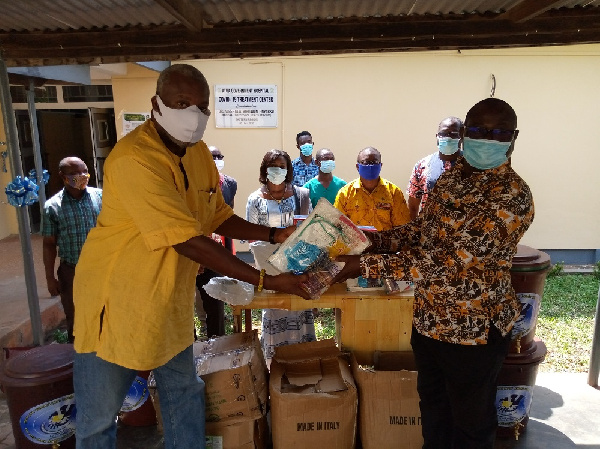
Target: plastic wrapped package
229,290
324,235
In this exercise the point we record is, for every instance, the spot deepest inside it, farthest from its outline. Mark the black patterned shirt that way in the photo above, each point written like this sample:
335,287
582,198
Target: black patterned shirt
458,252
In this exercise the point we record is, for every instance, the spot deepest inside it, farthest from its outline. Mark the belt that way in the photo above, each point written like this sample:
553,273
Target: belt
68,264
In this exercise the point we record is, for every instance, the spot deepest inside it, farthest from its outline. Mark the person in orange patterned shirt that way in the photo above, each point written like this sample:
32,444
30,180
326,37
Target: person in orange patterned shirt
459,252
371,200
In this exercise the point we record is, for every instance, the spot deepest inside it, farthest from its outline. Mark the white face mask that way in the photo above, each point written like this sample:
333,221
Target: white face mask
185,125
276,175
220,163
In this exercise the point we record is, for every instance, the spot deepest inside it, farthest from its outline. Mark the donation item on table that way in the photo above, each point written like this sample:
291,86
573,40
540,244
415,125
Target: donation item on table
312,248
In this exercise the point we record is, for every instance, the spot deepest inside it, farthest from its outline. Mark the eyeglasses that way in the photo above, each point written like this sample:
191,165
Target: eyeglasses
218,157
185,178
451,134
501,135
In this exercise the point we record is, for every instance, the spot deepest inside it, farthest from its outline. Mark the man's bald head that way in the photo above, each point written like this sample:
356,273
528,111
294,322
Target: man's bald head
368,156
185,70
69,163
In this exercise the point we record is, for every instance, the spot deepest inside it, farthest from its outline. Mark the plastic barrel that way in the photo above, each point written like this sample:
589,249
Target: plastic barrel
39,392
528,275
514,395
137,409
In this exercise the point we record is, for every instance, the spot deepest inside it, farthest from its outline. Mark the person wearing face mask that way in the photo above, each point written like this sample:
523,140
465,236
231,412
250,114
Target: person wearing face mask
68,217
212,307
371,200
135,286
427,171
458,252
325,184
304,167
274,204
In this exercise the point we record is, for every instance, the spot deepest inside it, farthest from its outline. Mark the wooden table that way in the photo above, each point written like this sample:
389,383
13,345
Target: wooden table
370,321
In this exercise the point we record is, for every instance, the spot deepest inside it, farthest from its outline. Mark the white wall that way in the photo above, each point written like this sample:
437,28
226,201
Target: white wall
395,101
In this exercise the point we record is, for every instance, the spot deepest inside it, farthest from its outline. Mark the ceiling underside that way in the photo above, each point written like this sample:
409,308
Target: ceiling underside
52,32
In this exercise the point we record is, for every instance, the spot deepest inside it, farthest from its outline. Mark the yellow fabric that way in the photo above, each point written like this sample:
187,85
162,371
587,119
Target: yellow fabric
128,266
384,208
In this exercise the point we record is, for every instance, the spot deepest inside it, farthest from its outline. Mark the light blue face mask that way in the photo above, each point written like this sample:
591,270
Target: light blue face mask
276,175
327,166
306,149
448,145
485,154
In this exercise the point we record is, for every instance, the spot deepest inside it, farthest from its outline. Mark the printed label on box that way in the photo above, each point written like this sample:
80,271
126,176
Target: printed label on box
214,442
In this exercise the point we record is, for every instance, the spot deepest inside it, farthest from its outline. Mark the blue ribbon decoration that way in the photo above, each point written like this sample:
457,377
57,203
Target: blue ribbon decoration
45,175
22,192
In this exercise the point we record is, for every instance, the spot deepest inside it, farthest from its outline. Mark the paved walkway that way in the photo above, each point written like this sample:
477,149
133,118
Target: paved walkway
565,412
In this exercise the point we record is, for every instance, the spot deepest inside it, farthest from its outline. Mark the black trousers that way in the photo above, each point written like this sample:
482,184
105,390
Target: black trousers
66,274
215,309
457,386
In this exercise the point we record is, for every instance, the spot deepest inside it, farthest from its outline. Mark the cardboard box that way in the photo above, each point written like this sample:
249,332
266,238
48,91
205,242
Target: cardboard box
389,414
313,397
250,434
235,373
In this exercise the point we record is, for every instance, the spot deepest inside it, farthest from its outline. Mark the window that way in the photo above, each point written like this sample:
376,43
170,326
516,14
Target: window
73,94
46,94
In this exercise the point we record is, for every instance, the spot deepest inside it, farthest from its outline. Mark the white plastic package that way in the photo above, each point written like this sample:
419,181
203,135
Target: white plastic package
229,290
324,235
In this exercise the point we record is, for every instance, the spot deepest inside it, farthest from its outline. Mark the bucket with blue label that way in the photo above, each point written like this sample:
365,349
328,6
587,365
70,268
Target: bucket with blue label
514,393
39,392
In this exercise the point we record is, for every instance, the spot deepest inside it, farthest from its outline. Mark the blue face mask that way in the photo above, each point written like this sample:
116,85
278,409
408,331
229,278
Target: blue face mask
369,172
448,145
327,166
485,154
306,149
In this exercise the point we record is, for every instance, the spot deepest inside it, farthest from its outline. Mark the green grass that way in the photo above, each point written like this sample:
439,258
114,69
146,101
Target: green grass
566,322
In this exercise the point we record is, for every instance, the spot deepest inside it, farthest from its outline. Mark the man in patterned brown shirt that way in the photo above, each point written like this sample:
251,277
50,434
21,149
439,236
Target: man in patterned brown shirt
458,252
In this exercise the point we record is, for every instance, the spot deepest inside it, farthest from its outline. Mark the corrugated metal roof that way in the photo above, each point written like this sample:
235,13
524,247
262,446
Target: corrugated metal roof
51,32
52,15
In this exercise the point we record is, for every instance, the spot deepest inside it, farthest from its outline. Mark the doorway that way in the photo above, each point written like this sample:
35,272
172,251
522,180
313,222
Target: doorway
66,132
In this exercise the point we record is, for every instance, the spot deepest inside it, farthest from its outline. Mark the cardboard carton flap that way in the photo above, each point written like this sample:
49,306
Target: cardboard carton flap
226,343
313,376
304,373
307,351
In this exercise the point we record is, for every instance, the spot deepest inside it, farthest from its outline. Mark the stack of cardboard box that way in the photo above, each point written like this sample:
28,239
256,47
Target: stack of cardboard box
236,378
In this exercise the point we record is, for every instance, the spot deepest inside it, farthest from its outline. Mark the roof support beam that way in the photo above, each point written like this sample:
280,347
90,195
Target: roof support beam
190,15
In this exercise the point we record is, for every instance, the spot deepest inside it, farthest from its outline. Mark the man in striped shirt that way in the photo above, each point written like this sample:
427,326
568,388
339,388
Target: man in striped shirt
68,217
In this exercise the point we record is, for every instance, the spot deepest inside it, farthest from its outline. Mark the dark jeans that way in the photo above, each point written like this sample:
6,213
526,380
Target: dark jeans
215,310
66,274
457,386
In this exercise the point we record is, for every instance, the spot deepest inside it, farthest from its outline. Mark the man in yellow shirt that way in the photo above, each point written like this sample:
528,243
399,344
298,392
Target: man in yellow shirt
371,200
135,280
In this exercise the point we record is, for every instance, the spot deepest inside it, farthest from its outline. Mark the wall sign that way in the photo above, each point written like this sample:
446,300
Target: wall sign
246,106
132,120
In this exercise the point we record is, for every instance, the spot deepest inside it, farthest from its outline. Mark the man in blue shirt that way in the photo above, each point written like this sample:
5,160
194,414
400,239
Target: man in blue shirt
68,217
304,166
